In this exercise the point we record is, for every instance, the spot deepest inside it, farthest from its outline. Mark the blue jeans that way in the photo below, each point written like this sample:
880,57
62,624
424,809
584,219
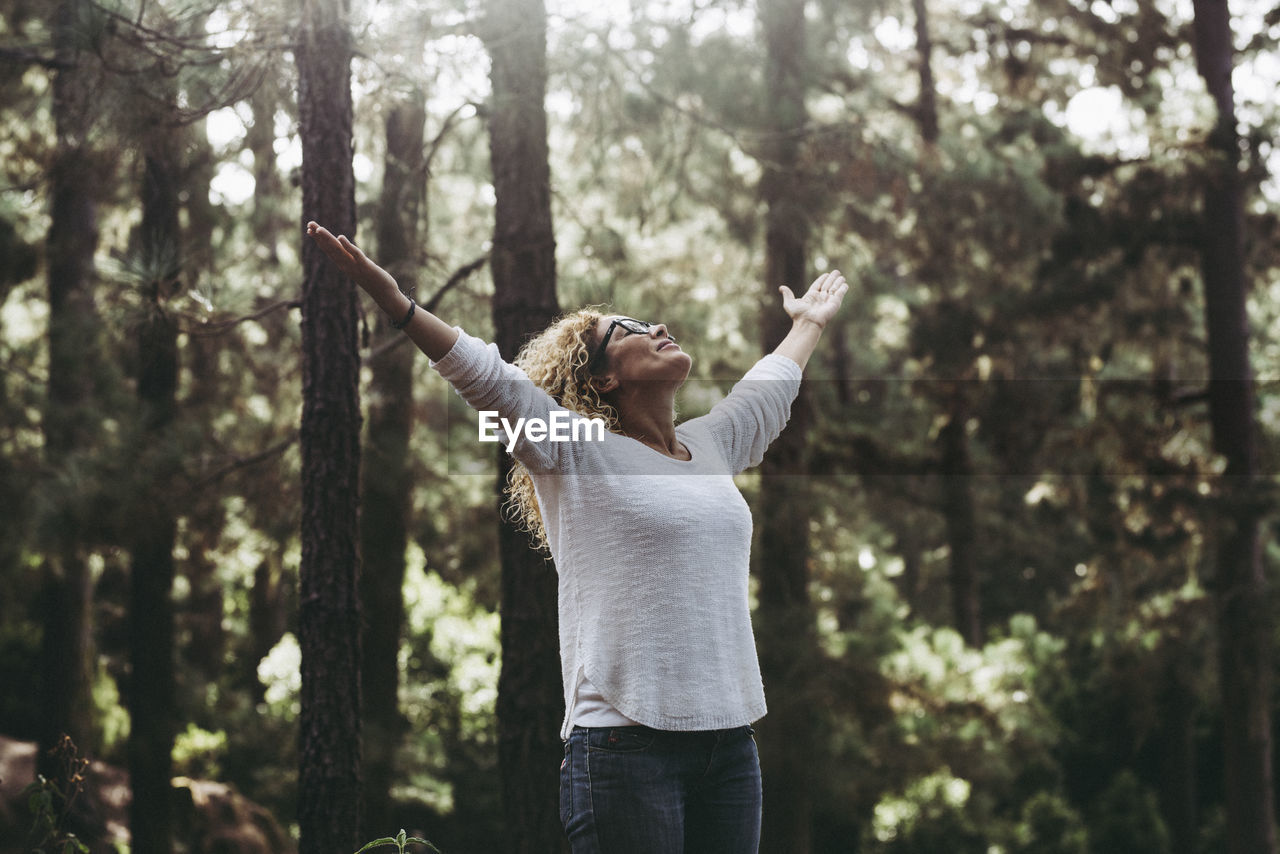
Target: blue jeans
633,789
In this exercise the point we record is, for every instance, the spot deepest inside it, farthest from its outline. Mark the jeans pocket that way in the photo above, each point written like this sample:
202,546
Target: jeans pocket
623,739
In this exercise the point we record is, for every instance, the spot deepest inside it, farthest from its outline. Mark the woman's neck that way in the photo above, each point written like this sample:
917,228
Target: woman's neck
650,418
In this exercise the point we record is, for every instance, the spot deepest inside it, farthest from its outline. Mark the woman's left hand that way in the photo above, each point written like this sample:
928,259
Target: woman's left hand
820,303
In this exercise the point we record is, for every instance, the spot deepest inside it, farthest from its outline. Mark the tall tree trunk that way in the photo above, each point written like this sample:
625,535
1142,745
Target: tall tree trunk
530,700
927,108
203,614
956,472
268,618
1244,626
386,483
1176,742
151,692
201,215
785,622
956,468
260,139
69,415
329,608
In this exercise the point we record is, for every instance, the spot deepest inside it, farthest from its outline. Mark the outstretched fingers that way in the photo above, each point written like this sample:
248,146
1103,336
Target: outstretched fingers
838,286
351,248
332,246
828,285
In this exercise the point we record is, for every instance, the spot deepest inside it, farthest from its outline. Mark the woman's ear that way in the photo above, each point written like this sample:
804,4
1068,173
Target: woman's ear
605,384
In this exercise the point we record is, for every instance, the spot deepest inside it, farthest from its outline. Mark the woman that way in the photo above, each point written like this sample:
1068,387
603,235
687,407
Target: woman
651,543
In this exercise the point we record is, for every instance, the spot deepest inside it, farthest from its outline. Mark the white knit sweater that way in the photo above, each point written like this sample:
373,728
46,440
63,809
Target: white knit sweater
652,553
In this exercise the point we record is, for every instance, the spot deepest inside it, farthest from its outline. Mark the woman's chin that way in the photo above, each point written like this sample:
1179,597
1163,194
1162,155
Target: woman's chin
684,360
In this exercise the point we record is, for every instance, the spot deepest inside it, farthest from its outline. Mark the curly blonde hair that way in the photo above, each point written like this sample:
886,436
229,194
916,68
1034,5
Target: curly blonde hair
556,361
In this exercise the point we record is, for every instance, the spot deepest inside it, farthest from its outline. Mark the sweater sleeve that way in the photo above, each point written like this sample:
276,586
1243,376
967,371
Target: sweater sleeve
754,412
486,382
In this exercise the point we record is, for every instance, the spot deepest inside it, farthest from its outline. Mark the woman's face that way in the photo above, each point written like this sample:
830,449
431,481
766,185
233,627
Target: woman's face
631,355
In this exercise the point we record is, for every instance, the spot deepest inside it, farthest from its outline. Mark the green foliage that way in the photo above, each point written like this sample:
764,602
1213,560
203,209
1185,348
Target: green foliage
400,840
450,658
50,804
1050,825
198,752
1126,817
942,812
46,831
977,710
929,815
111,718
1035,270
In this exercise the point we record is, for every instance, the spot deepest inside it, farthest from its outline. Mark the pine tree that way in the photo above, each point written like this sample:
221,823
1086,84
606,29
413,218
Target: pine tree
785,620
329,609
386,491
1244,627
530,703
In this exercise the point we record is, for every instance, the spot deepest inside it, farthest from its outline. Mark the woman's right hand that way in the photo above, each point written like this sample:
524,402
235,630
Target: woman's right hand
432,335
351,261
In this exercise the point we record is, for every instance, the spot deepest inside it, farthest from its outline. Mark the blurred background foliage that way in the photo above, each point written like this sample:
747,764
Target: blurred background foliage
1034,268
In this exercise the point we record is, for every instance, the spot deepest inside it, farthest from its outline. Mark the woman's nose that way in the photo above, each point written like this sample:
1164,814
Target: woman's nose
659,330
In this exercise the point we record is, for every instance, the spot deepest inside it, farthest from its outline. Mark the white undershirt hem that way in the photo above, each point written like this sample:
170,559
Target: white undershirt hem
591,709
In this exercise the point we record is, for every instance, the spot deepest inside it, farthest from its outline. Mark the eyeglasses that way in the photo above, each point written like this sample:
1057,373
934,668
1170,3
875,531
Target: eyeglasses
630,325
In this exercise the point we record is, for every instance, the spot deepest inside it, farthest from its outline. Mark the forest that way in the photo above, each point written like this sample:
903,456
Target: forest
1014,555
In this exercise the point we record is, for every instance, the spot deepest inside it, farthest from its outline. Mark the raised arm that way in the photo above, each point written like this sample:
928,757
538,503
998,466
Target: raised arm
497,390
432,335
810,314
757,408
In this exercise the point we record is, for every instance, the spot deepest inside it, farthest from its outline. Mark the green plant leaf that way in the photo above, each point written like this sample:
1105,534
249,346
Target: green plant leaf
386,840
40,802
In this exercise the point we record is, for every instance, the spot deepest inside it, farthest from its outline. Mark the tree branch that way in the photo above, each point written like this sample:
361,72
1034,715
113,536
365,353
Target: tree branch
221,326
20,56
246,462
447,126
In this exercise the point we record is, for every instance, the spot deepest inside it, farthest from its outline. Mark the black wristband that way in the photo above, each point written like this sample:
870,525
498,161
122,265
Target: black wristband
413,306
